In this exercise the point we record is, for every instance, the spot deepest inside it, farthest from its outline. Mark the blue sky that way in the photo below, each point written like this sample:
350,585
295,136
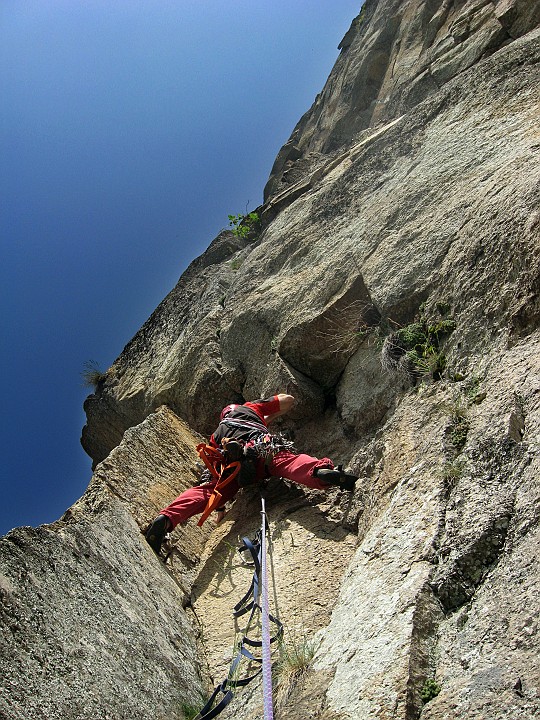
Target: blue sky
129,130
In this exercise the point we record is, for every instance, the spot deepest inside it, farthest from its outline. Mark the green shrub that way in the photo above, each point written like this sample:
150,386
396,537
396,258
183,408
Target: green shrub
430,690
413,336
243,225
415,348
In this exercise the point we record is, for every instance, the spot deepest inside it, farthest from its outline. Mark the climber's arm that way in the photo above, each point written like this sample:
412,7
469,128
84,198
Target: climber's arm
285,404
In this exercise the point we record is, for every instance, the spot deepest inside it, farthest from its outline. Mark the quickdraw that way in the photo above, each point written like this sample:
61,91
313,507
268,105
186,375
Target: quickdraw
221,471
267,445
250,602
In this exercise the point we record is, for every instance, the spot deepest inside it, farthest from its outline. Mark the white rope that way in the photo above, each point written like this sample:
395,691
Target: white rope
265,627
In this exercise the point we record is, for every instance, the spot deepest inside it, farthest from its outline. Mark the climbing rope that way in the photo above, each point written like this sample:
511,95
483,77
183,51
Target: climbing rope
265,625
254,601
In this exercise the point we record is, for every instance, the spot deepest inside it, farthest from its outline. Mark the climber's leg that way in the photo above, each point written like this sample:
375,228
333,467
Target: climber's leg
191,502
299,468
310,471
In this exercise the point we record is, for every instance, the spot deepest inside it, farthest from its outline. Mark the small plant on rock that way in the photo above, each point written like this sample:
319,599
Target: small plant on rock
295,657
429,690
92,375
458,432
451,472
459,424
473,393
458,427
189,712
415,349
243,225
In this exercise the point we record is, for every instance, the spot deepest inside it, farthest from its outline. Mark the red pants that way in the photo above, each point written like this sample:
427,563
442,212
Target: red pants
298,468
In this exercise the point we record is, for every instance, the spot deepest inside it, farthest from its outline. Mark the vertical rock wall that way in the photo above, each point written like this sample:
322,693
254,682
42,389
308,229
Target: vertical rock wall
408,197
444,581
92,625
395,55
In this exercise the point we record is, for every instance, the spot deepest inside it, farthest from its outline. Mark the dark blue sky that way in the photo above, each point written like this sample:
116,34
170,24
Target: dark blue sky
129,130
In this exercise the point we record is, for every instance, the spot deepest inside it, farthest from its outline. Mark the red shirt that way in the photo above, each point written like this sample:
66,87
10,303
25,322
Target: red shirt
250,413
263,408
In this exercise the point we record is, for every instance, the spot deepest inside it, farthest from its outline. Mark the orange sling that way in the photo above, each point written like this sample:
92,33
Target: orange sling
223,473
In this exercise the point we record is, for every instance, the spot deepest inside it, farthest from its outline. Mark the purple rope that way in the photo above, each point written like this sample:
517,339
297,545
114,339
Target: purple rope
265,628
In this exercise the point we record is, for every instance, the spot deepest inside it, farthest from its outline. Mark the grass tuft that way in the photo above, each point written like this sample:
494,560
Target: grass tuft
346,327
295,658
414,350
189,712
452,472
92,375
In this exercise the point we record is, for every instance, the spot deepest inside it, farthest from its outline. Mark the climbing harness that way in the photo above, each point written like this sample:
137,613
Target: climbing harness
254,601
267,445
262,444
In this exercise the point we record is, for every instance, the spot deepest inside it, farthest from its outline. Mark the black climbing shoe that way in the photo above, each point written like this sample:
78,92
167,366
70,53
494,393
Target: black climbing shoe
337,476
155,535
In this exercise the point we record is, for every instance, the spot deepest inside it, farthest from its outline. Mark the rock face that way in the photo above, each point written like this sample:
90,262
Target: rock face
439,585
393,289
92,626
395,55
439,204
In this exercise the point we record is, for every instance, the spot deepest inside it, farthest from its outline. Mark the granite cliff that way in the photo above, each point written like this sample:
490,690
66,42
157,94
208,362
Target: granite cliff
393,288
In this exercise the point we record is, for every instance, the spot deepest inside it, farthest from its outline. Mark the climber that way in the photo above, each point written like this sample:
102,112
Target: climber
245,451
